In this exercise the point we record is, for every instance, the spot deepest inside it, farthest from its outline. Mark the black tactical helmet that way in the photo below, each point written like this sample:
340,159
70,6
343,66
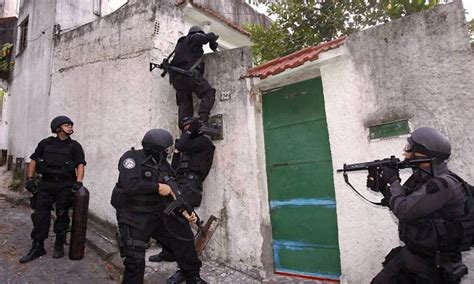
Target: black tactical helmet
431,142
157,139
195,29
58,121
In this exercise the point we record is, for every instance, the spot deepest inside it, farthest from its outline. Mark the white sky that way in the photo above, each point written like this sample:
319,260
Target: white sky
469,6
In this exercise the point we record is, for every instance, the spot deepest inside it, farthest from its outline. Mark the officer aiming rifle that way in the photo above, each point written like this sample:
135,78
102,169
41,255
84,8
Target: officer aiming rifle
375,181
433,208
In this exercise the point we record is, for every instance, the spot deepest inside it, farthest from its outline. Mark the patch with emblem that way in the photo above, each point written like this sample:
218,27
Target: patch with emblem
129,163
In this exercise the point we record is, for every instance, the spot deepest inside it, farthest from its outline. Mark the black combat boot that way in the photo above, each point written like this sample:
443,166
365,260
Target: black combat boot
59,246
176,278
37,250
162,256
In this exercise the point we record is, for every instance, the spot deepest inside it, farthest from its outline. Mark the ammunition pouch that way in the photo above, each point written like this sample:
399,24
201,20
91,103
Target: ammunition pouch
430,235
50,168
452,271
118,199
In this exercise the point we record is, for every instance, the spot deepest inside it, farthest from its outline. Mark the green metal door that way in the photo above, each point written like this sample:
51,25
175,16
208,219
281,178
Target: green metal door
300,184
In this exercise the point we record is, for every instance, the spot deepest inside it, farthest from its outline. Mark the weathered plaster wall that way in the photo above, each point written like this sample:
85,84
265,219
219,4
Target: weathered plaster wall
8,8
236,11
28,116
30,88
101,79
3,114
70,14
418,68
234,190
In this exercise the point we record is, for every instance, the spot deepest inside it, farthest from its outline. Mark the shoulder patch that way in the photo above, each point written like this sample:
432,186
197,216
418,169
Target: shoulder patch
129,163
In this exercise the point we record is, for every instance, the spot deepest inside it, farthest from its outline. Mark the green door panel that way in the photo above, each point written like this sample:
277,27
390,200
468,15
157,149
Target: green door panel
298,142
290,258
300,184
286,182
298,223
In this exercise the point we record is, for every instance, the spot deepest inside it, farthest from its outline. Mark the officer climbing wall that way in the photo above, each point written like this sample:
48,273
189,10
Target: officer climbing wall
192,162
188,56
429,206
140,199
60,161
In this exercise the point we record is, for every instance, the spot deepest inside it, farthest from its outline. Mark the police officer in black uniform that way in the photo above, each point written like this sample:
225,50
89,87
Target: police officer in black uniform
192,161
428,205
140,197
188,55
60,161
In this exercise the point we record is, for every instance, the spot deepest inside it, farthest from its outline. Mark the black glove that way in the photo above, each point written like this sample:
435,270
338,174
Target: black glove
386,197
389,175
213,45
31,185
194,127
76,186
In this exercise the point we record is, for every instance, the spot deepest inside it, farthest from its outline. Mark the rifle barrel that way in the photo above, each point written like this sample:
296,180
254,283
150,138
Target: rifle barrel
389,162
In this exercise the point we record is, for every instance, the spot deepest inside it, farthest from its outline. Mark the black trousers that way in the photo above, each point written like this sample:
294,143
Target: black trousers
403,266
169,231
185,86
49,193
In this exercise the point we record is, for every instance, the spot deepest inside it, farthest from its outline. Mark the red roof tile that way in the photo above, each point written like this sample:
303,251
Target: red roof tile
214,14
292,60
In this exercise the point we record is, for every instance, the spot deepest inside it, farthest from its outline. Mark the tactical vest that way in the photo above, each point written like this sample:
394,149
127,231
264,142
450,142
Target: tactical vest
57,160
438,233
182,57
199,165
149,171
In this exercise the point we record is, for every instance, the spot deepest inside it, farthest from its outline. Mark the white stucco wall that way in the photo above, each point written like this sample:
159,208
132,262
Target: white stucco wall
418,68
70,14
8,8
29,114
234,190
101,79
229,37
4,115
29,89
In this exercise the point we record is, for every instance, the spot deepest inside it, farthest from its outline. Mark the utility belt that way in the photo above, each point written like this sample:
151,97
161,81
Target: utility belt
145,206
452,269
56,178
190,175
447,265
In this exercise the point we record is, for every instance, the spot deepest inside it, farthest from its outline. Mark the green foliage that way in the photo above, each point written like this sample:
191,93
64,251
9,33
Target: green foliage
6,65
400,8
303,23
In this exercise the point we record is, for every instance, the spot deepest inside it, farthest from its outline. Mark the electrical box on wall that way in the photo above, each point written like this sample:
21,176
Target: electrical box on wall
389,130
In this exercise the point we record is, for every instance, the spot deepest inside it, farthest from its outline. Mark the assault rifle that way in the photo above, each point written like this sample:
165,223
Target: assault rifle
166,67
179,204
374,168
